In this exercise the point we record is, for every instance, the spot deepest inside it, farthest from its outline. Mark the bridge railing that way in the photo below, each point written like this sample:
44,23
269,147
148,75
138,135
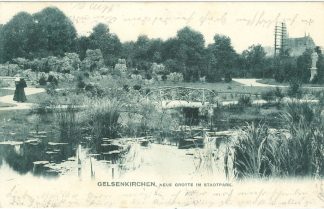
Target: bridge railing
196,94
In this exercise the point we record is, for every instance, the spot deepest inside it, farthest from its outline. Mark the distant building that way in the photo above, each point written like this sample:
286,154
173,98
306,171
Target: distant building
297,46
294,46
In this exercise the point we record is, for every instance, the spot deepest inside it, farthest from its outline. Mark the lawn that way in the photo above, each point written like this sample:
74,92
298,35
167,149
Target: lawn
5,92
230,87
2,104
37,98
272,81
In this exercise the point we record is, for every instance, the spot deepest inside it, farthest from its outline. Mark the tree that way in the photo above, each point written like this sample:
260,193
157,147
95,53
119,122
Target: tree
285,68
303,66
210,68
82,45
1,44
53,33
225,55
93,60
254,58
108,43
320,66
191,46
15,36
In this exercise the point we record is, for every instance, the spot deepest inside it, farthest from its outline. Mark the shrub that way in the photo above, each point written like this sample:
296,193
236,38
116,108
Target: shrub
104,71
278,93
121,67
137,87
272,95
93,90
294,89
42,81
244,101
175,77
268,96
228,77
52,79
80,80
9,69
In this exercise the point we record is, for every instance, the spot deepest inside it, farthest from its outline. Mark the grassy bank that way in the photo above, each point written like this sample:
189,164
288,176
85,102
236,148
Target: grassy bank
286,84
5,92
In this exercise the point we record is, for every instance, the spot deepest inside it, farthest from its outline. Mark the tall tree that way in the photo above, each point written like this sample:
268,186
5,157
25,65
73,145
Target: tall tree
82,45
15,36
211,70
53,33
107,42
225,55
1,44
189,51
254,58
303,66
320,66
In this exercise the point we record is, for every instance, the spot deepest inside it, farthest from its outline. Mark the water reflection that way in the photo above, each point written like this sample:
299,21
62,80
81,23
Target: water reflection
43,157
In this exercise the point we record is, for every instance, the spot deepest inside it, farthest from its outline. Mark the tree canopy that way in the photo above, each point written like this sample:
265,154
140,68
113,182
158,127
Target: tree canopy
48,36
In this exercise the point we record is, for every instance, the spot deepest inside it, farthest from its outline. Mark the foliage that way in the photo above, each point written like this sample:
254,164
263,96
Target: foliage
93,60
102,117
260,152
319,78
254,59
69,124
108,43
16,36
303,66
159,71
9,69
244,101
224,54
294,89
42,80
94,90
175,77
272,95
228,77
53,33
250,152
120,68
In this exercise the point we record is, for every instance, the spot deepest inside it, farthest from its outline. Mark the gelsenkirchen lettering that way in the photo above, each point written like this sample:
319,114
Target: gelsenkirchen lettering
126,184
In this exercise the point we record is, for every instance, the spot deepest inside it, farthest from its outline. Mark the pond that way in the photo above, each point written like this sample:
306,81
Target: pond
115,159
43,154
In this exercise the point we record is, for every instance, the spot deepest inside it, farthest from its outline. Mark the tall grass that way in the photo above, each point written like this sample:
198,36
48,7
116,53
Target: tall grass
298,151
68,123
207,157
250,153
101,116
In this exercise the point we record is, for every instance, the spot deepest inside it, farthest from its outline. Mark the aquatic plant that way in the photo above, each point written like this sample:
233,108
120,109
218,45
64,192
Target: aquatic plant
296,151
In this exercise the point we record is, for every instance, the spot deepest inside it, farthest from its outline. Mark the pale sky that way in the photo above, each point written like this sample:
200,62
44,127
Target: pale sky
246,23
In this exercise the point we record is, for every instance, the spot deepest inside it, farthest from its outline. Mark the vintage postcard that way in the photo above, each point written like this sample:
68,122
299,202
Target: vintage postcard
162,104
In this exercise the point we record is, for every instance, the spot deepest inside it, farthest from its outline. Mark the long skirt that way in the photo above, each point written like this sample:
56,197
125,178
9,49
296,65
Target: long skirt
20,95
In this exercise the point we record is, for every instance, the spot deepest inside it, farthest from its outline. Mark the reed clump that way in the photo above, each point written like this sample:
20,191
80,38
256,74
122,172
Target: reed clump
297,150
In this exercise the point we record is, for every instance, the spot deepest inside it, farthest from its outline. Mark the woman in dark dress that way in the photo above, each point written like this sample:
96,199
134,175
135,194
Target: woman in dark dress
20,95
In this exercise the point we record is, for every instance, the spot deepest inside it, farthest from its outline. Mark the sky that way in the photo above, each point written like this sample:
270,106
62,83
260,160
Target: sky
246,23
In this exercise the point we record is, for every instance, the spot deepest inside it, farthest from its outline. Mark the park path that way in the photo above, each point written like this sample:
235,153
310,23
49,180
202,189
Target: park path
254,83
8,99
